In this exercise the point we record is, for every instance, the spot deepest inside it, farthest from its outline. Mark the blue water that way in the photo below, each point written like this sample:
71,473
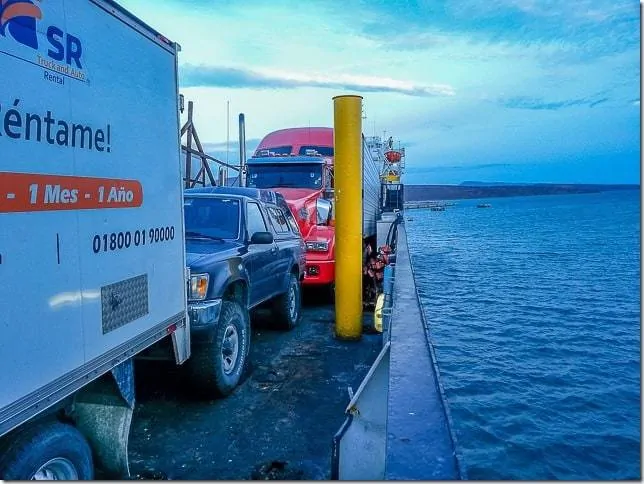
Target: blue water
534,310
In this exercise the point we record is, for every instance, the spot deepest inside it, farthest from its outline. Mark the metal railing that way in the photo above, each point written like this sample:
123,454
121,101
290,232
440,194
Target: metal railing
398,425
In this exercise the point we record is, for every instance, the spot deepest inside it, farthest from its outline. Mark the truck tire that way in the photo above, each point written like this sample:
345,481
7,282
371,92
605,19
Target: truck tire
47,451
217,366
287,307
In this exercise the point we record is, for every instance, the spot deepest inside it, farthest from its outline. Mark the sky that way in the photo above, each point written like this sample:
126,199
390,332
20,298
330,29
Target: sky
487,90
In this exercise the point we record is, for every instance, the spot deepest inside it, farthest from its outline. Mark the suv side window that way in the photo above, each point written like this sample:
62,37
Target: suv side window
278,220
291,221
254,219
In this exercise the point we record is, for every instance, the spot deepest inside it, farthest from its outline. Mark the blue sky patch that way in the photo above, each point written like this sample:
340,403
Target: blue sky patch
501,90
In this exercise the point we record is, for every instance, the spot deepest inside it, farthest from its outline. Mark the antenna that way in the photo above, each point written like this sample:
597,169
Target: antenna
227,134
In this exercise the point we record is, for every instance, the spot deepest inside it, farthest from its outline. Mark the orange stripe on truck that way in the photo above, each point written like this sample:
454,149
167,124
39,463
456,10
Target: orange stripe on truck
30,192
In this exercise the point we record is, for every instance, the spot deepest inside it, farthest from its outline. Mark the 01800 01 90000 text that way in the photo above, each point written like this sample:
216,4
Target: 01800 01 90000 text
127,239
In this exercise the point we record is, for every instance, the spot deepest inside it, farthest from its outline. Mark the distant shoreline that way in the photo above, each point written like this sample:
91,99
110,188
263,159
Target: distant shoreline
470,190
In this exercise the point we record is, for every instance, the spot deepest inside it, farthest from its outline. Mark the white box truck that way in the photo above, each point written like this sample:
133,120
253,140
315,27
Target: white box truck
92,254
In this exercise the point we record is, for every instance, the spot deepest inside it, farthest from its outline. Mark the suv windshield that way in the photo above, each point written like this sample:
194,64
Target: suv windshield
211,217
285,175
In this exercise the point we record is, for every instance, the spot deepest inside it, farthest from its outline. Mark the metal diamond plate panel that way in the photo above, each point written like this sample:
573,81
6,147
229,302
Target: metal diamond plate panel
124,302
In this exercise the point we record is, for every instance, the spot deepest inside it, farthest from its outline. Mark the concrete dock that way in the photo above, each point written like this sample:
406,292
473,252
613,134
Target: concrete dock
278,424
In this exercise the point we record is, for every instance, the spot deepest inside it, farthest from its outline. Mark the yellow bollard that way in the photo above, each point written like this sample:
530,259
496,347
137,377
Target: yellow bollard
347,141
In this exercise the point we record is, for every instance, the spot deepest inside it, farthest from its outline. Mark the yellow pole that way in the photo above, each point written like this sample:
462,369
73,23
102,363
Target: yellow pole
347,141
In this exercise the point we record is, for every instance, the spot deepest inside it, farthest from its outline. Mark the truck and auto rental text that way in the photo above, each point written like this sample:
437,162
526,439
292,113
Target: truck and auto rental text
92,256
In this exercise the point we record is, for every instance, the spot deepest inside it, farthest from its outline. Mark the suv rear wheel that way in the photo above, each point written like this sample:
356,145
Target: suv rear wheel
287,307
217,366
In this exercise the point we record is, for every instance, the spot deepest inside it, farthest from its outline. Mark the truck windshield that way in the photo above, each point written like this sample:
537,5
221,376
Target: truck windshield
278,150
322,150
285,175
211,217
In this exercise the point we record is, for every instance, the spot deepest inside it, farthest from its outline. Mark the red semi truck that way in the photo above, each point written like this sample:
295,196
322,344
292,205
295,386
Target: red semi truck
298,163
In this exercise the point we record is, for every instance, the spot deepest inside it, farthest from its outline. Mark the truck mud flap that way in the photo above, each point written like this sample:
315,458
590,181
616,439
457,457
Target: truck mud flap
181,342
103,412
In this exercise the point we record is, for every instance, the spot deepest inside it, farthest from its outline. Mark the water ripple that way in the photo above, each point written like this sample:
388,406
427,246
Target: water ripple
534,309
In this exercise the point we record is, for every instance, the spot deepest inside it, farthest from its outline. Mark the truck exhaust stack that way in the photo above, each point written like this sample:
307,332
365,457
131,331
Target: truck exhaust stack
242,150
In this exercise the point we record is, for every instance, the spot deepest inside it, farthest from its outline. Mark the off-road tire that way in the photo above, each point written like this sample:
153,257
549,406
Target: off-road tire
23,453
206,365
283,316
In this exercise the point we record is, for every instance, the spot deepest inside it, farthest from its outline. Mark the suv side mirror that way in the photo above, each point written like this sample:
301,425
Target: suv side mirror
261,238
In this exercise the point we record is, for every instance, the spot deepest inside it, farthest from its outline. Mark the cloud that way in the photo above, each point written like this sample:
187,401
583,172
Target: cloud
582,30
459,168
218,151
231,77
251,144
613,167
412,39
533,103
524,71
599,101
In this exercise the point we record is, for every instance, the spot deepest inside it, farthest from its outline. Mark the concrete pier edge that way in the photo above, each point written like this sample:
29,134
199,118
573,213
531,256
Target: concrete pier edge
421,442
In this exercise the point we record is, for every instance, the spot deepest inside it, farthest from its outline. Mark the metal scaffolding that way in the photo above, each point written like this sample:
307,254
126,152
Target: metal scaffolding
204,176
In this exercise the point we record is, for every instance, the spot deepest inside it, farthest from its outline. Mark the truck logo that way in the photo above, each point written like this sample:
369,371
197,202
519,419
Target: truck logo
18,17
62,52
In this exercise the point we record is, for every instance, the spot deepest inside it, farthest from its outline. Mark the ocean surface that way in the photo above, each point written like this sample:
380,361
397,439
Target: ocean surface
534,310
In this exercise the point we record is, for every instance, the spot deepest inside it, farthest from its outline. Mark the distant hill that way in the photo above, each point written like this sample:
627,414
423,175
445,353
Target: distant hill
601,186
471,189
491,184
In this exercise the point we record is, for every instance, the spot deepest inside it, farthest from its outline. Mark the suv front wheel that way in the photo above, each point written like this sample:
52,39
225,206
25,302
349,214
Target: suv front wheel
217,365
